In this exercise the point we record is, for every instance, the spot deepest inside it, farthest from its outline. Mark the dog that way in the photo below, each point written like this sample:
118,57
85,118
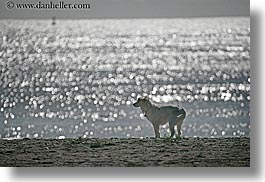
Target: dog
160,115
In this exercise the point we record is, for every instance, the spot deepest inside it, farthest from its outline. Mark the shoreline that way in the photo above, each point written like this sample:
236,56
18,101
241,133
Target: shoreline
126,152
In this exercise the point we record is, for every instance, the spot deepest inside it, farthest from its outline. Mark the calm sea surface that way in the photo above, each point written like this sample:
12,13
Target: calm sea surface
79,78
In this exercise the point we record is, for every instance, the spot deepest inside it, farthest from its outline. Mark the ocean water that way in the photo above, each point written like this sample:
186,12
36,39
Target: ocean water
79,78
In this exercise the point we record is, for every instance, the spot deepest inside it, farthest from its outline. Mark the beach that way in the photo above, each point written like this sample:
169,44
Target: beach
126,152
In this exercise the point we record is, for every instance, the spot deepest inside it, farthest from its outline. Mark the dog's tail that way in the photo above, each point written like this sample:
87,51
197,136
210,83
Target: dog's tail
182,114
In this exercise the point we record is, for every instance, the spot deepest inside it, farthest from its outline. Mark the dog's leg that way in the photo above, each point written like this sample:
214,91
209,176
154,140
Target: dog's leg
179,124
171,127
156,128
180,121
172,131
179,127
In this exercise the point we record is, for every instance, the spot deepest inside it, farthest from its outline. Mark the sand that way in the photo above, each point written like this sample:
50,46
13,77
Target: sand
128,152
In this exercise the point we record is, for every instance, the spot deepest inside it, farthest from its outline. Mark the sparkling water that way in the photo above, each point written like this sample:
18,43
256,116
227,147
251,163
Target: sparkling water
79,78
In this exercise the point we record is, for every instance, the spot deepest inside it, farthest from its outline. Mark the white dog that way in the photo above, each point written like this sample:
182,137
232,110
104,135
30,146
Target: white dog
161,115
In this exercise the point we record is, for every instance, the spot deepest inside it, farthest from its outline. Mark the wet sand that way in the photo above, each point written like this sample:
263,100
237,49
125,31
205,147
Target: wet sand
126,152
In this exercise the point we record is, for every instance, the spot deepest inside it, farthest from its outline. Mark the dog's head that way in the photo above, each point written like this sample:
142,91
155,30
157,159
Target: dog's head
140,102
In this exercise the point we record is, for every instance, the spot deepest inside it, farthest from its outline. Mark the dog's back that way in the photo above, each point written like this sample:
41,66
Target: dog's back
172,110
